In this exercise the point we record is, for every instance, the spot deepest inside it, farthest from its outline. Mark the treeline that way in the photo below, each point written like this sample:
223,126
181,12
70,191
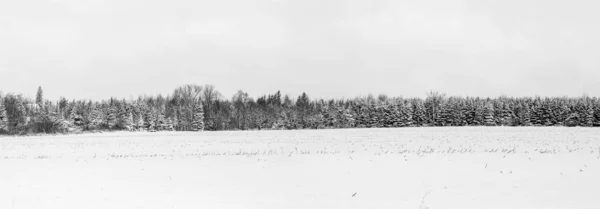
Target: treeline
198,108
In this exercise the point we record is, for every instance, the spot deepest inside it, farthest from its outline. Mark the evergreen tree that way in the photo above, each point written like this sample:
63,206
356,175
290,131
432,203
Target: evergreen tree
546,115
149,120
280,122
125,119
161,122
524,115
110,117
405,114
390,115
329,118
361,114
303,107
536,113
169,125
479,114
488,115
136,118
573,119
345,118
3,117
76,118
419,118
506,115
95,118
562,113
589,116
445,115
39,97
198,119
596,110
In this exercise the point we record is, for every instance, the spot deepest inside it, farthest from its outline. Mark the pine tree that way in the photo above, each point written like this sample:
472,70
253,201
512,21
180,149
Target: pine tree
405,109
562,113
506,115
445,115
280,122
76,118
39,97
488,115
136,118
345,118
573,119
110,117
169,125
546,115
139,122
460,114
161,122
376,116
125,119
329,120
95,119
198,117
149,120
419,118
596,109
479,114
536,113
525,115
391,115
3,117
361,112
589,116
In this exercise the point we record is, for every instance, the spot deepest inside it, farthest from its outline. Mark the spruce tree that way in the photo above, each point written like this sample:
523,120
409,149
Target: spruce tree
95,119
39,97
361,113
506,117
169,125
3,117
125,119
562,113
135,118
279,123
589,116
573,119
405,114
488,115
161,122
347,118
443,114
198,117
596,115
149,120
418,115
525,115
546,115
110,117
391,115
76,118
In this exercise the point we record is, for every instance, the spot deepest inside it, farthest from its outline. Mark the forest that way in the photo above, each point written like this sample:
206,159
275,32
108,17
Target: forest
200,108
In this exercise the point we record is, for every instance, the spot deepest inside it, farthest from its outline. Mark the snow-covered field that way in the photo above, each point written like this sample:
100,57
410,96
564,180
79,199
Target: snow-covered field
412,168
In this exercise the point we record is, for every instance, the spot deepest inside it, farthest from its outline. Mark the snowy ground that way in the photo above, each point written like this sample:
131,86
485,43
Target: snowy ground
413,168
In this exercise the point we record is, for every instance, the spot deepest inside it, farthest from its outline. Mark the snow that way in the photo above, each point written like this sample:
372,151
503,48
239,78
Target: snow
442,167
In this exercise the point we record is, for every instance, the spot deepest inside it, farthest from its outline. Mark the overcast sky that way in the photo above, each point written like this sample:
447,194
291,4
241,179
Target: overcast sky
328,48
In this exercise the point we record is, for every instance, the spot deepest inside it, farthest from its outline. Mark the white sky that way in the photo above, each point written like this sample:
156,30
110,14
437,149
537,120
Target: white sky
327,48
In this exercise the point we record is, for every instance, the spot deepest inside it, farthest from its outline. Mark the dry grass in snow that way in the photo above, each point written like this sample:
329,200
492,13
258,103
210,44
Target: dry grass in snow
436,168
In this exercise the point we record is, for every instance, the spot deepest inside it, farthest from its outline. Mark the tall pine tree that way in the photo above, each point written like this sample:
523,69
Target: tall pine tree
198,117
488,115
3,117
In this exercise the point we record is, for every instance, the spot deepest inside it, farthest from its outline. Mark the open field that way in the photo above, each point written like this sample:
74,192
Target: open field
436,168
